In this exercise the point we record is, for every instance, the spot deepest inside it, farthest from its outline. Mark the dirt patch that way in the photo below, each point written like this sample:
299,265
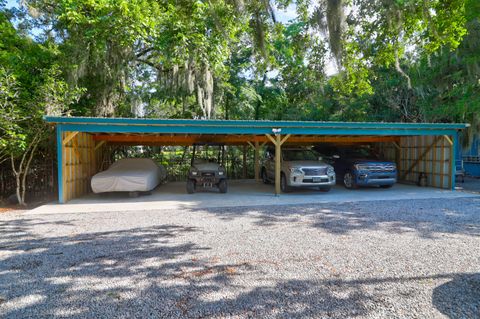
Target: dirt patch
5,209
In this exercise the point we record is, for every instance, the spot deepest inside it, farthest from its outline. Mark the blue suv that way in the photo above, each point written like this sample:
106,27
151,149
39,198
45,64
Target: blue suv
359,166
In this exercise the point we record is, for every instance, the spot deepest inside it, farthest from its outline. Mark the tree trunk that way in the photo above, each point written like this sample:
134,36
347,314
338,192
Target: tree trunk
23,167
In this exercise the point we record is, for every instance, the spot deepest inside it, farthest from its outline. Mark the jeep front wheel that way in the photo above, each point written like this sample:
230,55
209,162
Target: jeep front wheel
190,186
264,176
222,186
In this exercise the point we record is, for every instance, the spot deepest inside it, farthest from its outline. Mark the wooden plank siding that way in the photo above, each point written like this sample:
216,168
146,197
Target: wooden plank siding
436,162
80,160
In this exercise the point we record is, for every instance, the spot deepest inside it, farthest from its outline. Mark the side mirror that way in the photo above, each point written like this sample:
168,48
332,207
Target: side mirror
336,156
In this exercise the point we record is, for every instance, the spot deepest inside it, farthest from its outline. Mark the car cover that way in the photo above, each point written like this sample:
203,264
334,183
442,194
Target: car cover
129,175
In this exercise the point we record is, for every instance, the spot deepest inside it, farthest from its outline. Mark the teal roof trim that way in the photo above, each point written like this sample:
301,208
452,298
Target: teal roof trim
238,127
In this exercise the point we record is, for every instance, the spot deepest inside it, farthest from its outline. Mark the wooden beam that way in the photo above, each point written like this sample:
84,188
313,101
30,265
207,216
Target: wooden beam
69,137
244,161
447,138
99,145
285,139
257,161
435,141
152,139
271,139
451,172
77,152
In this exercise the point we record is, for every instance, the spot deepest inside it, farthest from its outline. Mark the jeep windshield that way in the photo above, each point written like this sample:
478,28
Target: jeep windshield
300,155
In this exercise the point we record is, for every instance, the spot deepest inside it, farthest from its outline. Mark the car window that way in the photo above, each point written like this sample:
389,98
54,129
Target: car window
299,155
327,151
360,152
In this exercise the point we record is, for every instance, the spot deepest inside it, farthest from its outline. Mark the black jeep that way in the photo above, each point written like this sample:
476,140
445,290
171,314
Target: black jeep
205,171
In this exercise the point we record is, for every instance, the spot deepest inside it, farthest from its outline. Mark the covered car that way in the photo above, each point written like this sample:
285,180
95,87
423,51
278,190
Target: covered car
129,175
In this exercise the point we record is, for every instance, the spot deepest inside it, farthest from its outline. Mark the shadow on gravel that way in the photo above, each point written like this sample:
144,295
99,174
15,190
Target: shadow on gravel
151,272
427,218
19,228
51,276
142,273
459,297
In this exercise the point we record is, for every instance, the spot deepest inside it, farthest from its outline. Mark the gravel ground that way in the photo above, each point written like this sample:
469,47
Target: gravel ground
471,184
382,259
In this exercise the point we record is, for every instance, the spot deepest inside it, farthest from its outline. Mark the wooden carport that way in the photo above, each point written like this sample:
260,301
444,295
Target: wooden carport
416,147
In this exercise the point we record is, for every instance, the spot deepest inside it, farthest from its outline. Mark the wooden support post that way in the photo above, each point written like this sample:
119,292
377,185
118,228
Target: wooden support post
442,164
398,156
60,165
434,167
244,162
257,161
451,166
278,141
278,163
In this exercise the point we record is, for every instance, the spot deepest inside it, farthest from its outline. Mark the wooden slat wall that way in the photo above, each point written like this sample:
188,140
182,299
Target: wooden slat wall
435,164
79,165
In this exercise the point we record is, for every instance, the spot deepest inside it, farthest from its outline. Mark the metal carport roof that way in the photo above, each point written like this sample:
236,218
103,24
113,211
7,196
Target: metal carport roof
135,130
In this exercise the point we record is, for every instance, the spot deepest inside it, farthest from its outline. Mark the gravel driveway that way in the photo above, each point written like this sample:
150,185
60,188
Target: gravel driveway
382,259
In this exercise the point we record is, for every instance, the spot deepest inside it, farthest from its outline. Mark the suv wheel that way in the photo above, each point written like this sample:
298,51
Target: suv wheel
190,186
222,186
264,176
283,184
349,180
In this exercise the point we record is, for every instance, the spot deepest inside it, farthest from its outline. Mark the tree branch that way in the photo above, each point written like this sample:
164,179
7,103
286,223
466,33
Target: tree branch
143,52
400,70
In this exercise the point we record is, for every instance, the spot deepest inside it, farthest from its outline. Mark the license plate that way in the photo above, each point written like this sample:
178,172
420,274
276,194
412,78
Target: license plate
316,179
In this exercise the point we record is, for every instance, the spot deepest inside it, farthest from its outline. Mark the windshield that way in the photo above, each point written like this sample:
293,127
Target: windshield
300,155
361,152
207,154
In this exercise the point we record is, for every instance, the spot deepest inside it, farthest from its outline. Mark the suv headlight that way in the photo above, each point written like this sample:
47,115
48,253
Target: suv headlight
361,167
296,171
330,171
194,172
220,173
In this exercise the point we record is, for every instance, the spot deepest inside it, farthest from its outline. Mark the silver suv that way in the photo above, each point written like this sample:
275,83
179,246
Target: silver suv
300,167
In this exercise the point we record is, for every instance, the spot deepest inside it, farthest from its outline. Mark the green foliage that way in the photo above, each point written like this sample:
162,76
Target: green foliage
31,85
398,60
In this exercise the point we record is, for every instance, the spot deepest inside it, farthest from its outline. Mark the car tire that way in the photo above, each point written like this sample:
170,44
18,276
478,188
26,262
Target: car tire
222,186
283,184
264,176
386,186
349,180
190,186
324,189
